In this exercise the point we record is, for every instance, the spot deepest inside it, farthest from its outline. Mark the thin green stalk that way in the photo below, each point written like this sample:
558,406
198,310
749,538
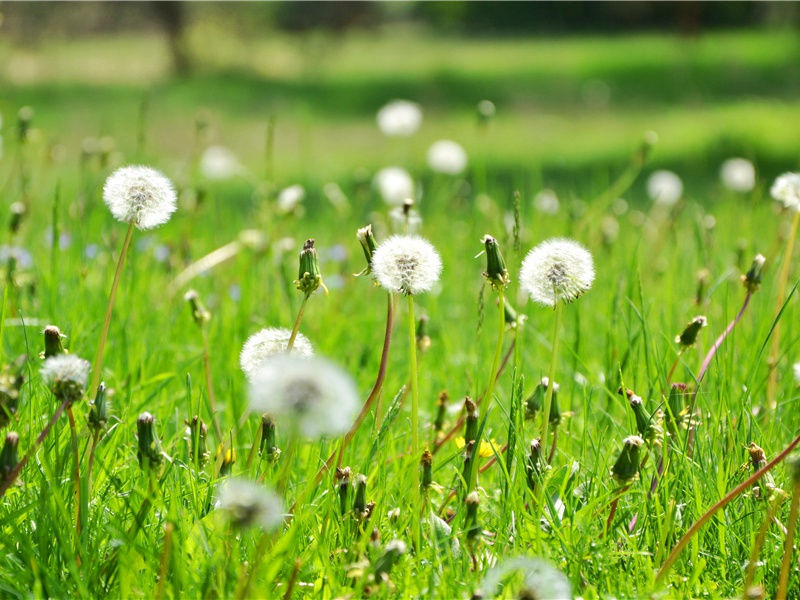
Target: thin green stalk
296,327
788,548
415,452
548,398
209,385
499,348
758,543
98,359
76,478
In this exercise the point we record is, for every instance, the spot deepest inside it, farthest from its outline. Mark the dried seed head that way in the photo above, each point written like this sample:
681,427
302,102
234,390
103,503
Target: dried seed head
557,270
406,264
250,504
66,376
140,195
264,344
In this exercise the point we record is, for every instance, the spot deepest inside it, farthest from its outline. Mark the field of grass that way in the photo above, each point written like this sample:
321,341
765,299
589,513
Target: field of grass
158,534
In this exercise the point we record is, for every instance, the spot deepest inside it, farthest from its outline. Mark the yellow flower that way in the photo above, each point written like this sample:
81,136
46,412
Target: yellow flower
486,450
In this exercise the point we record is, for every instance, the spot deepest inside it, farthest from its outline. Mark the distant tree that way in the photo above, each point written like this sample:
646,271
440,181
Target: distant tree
172,16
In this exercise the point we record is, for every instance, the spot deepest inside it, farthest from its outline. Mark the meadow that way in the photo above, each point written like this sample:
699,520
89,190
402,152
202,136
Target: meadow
573,117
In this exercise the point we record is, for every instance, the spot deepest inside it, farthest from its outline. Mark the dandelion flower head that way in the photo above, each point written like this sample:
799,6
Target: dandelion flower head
312,394
219,163
248,504
786,190
394,184
399,118
738,175
268,342
66,375
407,264
448,157
664,188
557,270
140,195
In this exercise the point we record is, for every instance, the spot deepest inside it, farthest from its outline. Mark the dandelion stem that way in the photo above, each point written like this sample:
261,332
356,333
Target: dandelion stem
783,579
722,503
412,359
783,278
76,474
499,348
758,543
548,398
92,450
674,366
209,385
165,554
98,359
296,327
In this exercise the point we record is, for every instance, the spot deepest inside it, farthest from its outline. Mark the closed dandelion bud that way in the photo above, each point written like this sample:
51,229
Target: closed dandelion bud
471,427
17,210
441,411
10,384
268,448
8,456
423,339
227,456
627,465
703,279
496,271
360,500
427,468
368,244
752,279
688,336
391,554
649,140
149,446
644,422
758,459
308,274
52,341
98,410
198,434
24,120
199,313
535,402
343,487
533,467
513,318
471,526
675,402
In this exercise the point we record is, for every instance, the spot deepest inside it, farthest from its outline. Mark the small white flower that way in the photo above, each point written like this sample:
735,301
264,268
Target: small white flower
546,202
394,184
796,369
407,264
786,190
219,163
557,270
268,342
738,175
250,504
290,198
66,375
448,157
664,188
140,195
399,118
310,394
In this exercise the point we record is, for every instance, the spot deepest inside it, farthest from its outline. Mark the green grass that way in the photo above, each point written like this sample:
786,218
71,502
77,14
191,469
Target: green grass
622,328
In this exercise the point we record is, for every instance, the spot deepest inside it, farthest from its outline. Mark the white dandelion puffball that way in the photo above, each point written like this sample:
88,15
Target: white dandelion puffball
268,342
310,394
786,190
738,175
407,264
664,188
290,198
248,504
219,163
539,577
140,195
796,369
557,270
394,184
546,202
448,157
399,118
66,375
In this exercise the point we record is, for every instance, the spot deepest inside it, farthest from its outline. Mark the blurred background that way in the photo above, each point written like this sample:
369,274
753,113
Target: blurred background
573,84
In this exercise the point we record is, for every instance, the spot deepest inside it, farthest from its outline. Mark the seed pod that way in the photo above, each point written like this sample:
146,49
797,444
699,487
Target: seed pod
627,465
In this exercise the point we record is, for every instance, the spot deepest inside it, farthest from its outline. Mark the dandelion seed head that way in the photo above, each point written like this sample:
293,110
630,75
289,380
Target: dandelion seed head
665,188
394,184
140,195
407,264
219,163
250,504
66,375
399,118
310,394
268,342
546,201
540,579
738,175
796,369
557,270
448,157
290,198
786,190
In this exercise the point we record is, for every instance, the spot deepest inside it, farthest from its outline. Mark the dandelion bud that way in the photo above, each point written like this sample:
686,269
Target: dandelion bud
496,271
66,376
627,465
649,140
268,448
17,210
309,277
758,459
533,466
225,457
52,341
472,527
752,279
441,411
644,422
513,318
423,339
98,410
535,402
343,487
198,434
149,446
471,427
676,404
199,313
391,554
427,468
8,456
24,120
703,279
368,245
10,384
360,499
249,504
688,336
